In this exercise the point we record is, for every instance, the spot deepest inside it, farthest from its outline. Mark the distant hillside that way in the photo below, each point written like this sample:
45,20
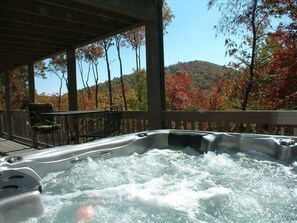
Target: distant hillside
204,73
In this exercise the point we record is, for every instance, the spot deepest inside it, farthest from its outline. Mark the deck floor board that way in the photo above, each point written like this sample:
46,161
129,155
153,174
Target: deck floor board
8,147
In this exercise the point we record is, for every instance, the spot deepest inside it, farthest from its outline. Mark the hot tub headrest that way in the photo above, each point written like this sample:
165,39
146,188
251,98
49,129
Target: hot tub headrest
14,182
185,139
19,197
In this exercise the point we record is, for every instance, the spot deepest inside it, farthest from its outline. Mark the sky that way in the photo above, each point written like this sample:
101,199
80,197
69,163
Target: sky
190,36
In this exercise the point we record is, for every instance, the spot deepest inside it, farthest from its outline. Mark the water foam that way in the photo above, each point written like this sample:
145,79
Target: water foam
175,186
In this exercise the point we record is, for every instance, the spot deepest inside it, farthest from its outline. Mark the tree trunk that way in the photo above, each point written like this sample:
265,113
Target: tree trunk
253,55
96,80
118,46
252,63
109,76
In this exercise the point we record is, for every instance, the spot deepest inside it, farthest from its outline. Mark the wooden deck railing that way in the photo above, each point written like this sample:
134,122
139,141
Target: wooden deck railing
258,122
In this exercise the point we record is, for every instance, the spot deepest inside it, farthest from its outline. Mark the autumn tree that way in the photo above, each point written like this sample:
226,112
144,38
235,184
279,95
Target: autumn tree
18,87
281,71
137,91
58,66
54,99
119,43
40,69
181,93
85,78
19,84
106,44
136,39
92,54
167,16
244,20
266,52
232,84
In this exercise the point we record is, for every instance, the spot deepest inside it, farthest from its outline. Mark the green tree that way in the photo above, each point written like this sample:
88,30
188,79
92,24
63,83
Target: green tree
137,93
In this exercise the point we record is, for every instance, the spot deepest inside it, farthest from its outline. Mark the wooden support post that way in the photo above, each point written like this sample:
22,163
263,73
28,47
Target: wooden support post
32,99
8,108
31,83
72,86
155,67
72,90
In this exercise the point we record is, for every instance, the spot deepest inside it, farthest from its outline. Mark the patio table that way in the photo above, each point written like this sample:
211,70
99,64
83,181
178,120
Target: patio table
71,120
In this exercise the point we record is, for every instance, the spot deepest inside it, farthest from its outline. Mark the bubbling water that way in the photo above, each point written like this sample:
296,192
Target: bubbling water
175,186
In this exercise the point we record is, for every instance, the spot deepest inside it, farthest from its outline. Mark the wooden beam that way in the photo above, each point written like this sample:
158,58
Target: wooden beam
36,35
10,47
87,16
47,27
50,30
23,44
53,25
140,9
77,7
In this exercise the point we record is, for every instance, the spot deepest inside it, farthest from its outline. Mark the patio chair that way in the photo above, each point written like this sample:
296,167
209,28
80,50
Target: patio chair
109,124
42,124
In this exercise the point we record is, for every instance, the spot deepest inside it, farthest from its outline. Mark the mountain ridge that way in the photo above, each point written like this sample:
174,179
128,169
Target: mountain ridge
204,73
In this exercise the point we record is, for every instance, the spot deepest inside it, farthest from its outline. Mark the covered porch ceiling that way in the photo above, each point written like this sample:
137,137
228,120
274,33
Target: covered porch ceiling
31,30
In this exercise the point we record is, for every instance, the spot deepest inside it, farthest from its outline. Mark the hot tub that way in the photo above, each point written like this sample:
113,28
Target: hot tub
155,176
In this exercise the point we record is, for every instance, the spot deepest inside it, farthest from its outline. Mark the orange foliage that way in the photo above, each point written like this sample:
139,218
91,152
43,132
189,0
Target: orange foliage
282,93
181,93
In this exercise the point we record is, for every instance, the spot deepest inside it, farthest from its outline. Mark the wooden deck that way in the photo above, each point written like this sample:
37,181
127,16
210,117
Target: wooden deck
8,147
